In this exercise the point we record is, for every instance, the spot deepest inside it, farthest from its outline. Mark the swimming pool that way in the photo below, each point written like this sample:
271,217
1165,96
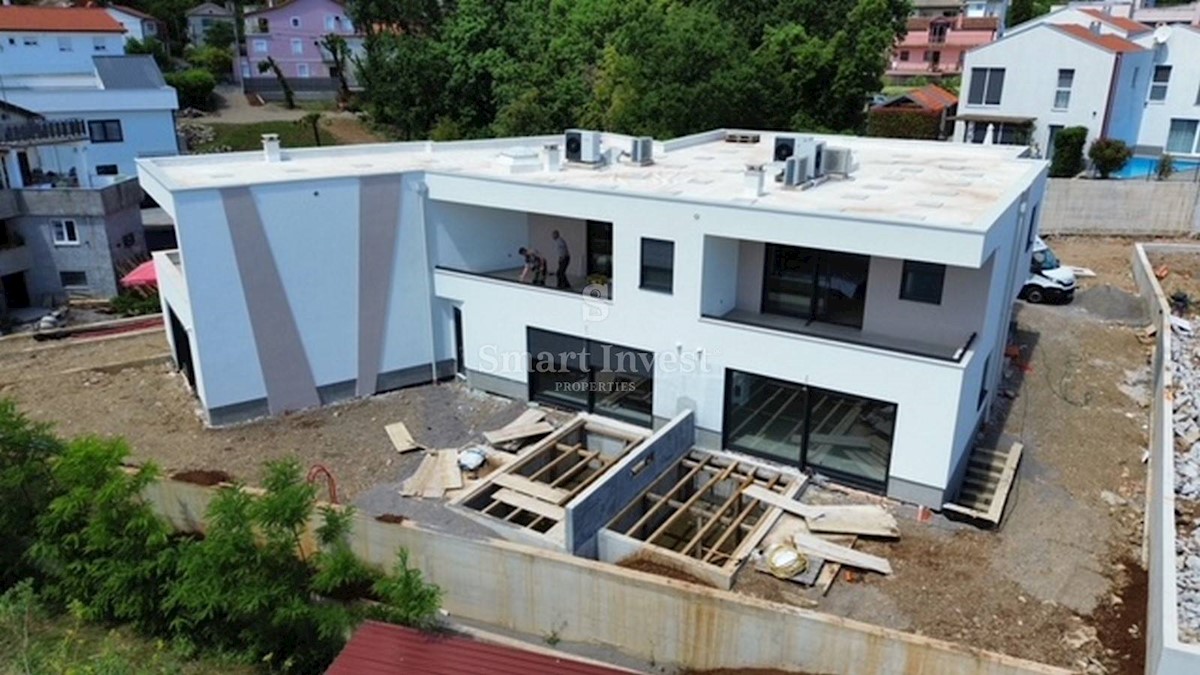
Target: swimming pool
1140,167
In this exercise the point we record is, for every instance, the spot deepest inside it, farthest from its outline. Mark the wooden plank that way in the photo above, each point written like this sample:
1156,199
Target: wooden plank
530,416
861,519
447,474
417,482
532,488
775,499
401,439
527,503
684,509
516,433
842,554
830,571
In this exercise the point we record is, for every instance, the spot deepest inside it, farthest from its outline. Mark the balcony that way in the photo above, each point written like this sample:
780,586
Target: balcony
579,285
14,255
43,132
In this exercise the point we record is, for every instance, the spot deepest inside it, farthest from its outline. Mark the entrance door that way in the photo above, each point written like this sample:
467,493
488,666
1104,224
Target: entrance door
1054,129
460,364
16,293
183,349
23,163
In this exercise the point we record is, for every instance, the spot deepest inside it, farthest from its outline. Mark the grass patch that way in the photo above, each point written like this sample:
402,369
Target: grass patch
237,137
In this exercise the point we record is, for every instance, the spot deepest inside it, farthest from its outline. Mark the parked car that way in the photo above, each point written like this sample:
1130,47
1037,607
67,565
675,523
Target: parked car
1048,280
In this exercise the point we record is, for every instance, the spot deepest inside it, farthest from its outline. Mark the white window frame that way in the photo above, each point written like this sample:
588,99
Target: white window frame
65,44
1161,86
330,22
302,70
295,21
1061,92
65,231
99,44
260,46
297,47
988,73
1195,143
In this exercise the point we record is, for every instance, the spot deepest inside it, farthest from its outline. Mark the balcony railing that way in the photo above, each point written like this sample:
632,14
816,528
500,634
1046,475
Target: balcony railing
43,131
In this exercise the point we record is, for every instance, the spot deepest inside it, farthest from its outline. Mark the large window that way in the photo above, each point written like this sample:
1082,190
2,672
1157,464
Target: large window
65,232
987,85
599,249
815,285
1158,86
73,279
594,376
105,131
297,46
844,436
1181,138
922,282
658,265
1062,94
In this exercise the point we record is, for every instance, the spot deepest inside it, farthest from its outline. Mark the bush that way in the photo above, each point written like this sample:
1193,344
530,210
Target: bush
900,123
218,62
152,47
132,303
26,487
1109,155
1068,152
1166,166
195,87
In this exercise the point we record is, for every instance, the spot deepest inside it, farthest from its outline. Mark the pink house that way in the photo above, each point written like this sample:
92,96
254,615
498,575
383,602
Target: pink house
290,32
934,47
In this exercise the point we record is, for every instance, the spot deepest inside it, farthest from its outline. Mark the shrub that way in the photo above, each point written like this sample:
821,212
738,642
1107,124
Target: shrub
1108,155
99,546
1068,152
900,123
152,47
132,303
216,61
1166,166
195,87
26,487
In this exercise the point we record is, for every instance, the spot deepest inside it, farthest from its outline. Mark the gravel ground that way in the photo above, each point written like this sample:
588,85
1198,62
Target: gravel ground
1187,481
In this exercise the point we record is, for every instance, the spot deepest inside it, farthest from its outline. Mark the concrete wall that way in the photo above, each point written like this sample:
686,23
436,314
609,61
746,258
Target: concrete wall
661,621
1121,207
475,239
1165,654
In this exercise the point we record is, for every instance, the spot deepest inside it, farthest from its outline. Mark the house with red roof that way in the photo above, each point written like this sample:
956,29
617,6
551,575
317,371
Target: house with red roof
51,40
1044,76
138,24
935,46
923,112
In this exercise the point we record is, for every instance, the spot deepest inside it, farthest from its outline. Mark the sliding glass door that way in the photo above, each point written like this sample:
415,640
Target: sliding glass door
846,437
815,285
592,376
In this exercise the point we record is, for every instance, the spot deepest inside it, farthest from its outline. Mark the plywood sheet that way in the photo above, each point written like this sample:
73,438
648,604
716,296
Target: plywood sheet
401,439
515,433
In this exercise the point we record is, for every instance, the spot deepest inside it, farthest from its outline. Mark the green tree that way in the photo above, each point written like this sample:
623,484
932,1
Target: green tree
289,98
312,120
154,48
1109,155
195,87
1021,11
1166,167
27,487
339,52
217,61
220,35
1068,152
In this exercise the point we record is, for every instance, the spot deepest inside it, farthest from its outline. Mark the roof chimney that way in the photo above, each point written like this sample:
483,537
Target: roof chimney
754,180
1094,27
551,160
271,151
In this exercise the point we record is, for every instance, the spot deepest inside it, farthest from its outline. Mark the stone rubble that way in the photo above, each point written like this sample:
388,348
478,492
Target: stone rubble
1185,348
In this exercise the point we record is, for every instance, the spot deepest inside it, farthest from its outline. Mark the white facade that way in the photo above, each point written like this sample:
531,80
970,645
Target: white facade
55,53
1054,79
138,26
338,272
1171,118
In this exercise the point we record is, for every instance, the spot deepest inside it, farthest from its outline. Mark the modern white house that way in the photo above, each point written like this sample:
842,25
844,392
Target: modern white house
1042,77
128,109
1171,116
56,40
834,303
1095,19
138,24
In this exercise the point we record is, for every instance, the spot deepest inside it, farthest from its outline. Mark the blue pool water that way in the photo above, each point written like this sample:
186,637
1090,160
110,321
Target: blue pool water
1140,167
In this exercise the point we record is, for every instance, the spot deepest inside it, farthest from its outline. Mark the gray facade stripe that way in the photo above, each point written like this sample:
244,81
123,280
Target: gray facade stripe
379,201
285,367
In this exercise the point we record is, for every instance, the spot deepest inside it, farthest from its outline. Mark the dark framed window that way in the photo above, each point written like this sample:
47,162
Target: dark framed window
1031,231
922,282
1159,83
592,376
105,131
815,285
983,392
107,170
599,249
658,265
987,86
904,55
844,436
73,279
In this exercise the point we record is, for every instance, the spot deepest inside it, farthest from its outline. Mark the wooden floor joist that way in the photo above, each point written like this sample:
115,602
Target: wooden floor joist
684,510
675,488
523,485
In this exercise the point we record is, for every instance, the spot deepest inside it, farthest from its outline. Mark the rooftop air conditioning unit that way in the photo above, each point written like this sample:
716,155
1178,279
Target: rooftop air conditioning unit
642,151
803,147
795,171
839,161
583,146
785,146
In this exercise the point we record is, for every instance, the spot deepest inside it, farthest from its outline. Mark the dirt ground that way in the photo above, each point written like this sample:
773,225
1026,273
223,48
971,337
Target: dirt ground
350,130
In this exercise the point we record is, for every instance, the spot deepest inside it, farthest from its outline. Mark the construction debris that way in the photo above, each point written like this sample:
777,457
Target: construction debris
808,543
862,519
510,433
438,472
401,439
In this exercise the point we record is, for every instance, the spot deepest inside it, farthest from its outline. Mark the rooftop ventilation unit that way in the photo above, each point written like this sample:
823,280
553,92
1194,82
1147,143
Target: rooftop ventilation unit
583,146
838,161
785,146
738,137
795,171
642,151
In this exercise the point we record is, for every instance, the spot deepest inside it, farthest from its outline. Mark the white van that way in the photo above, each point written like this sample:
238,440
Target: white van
1048,280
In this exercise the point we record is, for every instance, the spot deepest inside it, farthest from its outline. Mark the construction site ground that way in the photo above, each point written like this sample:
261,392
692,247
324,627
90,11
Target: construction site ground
1059,583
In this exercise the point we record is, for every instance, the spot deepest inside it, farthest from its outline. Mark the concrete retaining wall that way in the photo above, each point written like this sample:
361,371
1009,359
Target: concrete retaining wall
1120,207
1165,654
659,620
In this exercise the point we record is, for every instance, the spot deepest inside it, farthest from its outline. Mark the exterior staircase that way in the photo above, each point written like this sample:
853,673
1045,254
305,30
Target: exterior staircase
986,486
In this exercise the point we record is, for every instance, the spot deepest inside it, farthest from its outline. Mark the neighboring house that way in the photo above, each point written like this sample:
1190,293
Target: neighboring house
201,17
1096,20
1144,12
1041,78
935,47
856,328
291,33
59,234
924,113
128,109
56,40
1171,116
930,9
138,24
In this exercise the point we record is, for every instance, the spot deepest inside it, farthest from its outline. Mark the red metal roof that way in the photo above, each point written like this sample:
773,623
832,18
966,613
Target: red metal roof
57,20
384,649
1112,43
932,97
1124,23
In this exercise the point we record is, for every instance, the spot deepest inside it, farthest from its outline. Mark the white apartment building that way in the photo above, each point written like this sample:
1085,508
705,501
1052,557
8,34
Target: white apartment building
55,40
138,24
854,325
1171,116
1039,79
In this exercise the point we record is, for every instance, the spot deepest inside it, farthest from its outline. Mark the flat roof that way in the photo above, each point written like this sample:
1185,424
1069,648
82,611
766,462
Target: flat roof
936,183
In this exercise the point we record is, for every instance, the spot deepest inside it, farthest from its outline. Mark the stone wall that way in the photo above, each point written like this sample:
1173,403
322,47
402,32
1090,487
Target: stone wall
1120,207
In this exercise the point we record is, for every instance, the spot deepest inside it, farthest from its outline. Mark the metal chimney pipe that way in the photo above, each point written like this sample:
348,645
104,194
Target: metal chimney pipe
271,149
755,180
551,160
